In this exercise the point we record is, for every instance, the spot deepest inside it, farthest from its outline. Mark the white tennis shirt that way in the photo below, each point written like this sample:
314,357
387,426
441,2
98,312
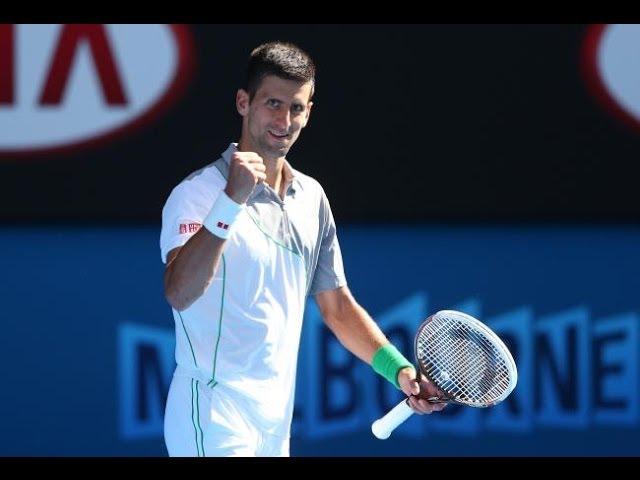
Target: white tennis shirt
244,331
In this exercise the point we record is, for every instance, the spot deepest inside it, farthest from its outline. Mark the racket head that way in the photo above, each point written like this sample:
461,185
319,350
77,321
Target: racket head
465,359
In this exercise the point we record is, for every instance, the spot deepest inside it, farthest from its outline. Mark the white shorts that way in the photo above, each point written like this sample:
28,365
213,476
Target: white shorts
203,422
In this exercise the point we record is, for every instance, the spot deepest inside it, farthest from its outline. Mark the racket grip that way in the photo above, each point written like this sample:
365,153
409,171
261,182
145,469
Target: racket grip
383,427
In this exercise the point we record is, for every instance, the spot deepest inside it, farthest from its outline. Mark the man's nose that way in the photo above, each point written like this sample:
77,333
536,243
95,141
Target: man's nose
283,120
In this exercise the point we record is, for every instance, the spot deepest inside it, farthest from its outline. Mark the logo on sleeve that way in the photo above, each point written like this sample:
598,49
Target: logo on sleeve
189,227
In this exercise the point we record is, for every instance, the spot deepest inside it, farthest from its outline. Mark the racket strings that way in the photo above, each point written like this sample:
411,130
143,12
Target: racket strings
474,376
462,361
467,382
485,369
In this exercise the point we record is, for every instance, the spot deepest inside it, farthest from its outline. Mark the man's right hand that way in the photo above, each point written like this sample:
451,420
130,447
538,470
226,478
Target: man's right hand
246,169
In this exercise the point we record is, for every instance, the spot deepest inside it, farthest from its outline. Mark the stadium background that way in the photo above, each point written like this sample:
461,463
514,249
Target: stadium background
488,168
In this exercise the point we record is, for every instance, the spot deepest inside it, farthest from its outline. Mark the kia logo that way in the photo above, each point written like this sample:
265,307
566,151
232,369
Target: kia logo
65,87
611,66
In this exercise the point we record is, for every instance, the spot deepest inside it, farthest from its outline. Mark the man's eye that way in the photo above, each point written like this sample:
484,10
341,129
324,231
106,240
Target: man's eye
298,108
273,103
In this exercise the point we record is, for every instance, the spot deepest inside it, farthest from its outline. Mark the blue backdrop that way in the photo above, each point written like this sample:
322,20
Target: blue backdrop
87,350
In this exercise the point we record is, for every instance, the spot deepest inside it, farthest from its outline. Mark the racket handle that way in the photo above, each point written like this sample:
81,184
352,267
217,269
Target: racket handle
383,427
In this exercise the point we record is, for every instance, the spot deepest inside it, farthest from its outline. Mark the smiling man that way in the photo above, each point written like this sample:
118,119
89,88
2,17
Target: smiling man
238,285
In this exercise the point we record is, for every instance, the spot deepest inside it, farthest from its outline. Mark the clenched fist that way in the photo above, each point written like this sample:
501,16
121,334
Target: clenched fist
246,169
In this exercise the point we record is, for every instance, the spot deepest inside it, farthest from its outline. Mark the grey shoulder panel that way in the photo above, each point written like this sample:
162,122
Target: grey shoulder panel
222,167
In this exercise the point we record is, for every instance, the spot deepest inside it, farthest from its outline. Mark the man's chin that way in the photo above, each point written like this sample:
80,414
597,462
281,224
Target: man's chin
278,151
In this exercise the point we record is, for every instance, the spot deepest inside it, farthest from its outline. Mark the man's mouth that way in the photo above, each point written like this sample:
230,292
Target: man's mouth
280,136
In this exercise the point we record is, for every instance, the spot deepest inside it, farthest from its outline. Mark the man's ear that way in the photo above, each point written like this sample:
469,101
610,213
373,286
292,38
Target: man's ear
308,114
242,102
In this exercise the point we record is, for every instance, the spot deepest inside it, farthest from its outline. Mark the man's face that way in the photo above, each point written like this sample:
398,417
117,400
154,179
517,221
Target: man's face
277,113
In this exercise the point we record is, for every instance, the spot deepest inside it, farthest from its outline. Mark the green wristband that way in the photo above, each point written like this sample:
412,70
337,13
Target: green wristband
388,361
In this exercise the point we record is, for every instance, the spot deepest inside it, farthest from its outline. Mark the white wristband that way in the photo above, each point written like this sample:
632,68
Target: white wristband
222,215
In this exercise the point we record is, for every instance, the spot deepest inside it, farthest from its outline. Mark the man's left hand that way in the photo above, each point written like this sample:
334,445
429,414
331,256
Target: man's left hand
418,392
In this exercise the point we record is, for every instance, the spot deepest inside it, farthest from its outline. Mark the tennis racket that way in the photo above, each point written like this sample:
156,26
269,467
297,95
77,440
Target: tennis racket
464,358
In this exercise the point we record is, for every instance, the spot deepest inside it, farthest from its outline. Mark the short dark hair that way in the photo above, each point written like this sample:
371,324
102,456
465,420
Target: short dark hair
282,59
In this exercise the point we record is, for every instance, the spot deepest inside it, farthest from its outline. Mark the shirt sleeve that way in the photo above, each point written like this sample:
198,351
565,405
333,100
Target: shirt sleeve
329,273
183,214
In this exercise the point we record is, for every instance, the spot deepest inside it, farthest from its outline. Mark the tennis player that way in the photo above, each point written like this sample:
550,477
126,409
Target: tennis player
245,240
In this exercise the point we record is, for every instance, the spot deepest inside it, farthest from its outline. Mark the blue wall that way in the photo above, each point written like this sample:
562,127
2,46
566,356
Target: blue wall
88,341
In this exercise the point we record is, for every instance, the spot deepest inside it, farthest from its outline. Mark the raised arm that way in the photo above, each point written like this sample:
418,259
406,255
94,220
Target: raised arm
190,268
